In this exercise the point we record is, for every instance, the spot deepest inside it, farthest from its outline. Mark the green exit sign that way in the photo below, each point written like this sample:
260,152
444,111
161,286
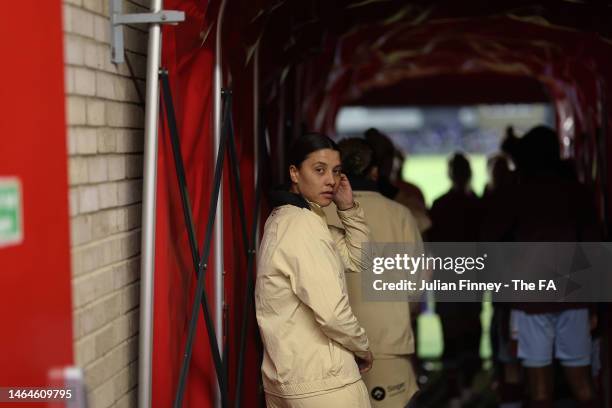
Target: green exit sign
11,214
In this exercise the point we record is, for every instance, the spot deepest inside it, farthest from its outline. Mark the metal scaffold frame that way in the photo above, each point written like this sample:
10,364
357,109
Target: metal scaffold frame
223,141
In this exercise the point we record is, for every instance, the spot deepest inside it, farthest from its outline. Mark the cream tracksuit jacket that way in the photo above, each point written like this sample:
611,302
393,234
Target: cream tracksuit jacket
387,323
309,331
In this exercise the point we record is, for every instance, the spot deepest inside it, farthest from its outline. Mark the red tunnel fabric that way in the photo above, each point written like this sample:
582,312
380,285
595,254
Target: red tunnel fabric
316,56
188,53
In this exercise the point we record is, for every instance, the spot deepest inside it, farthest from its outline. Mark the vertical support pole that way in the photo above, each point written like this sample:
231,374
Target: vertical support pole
256,135
218,232
147,253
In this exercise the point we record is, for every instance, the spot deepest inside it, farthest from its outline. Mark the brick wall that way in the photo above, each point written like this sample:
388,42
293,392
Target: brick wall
105,143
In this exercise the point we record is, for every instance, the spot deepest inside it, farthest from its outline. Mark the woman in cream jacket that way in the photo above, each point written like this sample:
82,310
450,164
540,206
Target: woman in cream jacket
314,348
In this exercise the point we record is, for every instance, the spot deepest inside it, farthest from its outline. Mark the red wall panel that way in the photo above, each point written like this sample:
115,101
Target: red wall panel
35,306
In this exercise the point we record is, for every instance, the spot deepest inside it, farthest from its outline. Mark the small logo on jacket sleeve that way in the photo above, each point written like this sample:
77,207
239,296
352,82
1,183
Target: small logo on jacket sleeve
378,393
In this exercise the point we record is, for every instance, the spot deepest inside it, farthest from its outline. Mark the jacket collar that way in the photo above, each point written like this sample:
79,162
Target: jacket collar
283,197
386,188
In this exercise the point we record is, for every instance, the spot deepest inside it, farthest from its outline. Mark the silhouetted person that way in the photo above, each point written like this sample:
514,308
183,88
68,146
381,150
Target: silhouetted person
500,174
510,144
547,205
508,373
390,182
456,218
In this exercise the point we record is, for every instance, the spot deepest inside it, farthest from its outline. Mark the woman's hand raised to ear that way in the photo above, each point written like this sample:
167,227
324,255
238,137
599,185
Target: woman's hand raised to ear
343,198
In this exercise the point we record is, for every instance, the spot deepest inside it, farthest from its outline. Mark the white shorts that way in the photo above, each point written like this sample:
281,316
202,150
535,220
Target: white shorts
566,335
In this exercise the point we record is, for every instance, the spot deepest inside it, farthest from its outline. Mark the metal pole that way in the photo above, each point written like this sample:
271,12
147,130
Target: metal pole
256,135
147,252
218,233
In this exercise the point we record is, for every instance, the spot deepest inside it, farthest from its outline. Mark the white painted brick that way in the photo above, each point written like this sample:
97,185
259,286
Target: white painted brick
126,380
93,286
105,223
119,357
90,55
134,166
85,81
139,64
130,245
135,40
131,352
125,89
116,167
102,396
104,85
132,93
98,254
102,29
73,200
104,59
96,112
135,6
98,314
134,216
66,18
119,85
130,141
84,351
76,112
98,169
69,85
106,8
107,140
81,22
86,259
129,400
77,170
124,115
121,382
74,50
126,272
108,196
86,140
94,5
129,192
130,297
116,114
80,228
88,199
134,322
105,123
72,143
121,218
105,340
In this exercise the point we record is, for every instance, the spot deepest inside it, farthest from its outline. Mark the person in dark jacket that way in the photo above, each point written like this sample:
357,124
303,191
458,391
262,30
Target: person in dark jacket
456,218
548,206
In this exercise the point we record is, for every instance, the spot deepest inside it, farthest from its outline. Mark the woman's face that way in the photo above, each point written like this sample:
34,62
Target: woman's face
318,176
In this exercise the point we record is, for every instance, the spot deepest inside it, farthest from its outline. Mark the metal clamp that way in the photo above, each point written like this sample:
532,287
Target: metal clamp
118,20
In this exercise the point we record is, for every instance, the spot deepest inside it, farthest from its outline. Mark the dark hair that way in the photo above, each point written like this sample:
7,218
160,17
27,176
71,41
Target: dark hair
384,151
357,157
460,170
308,143
539,150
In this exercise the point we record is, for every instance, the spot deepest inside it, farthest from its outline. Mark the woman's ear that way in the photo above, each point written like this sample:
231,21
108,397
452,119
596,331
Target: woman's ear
293,174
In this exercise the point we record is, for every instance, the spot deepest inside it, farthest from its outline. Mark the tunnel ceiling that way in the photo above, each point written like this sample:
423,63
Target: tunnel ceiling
423,52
